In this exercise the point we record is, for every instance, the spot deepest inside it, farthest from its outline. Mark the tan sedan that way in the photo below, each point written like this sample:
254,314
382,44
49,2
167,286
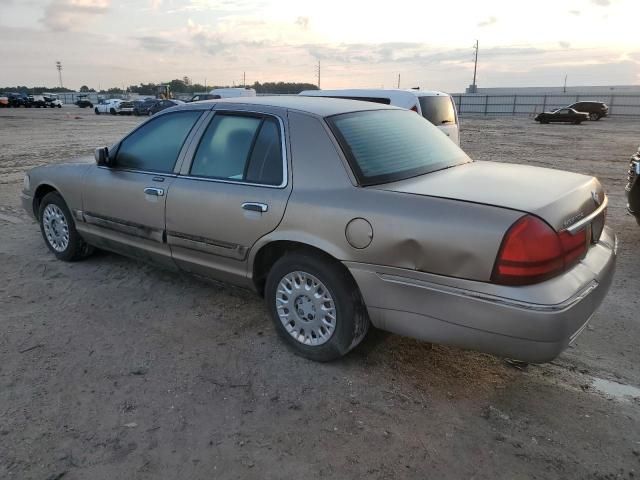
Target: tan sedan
343,214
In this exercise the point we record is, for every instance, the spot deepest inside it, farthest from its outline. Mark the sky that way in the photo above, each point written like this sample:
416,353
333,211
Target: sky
108,43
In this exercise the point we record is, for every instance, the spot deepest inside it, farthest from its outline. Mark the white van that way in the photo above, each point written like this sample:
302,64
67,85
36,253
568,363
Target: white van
437,107
232,92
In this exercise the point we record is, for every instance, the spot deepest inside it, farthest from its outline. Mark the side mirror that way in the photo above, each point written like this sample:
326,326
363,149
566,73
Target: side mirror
102,157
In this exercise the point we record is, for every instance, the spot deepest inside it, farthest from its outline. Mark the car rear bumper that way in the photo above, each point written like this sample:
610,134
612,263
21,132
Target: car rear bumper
531,323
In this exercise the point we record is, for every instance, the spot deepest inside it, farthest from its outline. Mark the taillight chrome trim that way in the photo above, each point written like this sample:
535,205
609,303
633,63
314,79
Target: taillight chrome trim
580,224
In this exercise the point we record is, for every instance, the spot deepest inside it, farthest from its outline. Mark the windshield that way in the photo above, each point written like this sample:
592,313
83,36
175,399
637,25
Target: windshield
438,110
389,145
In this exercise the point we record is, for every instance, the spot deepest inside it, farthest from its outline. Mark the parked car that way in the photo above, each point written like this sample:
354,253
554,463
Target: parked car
114,106
162,105
84,102
341,214
142,107
437,107
4,101
632,189
17,100
596,110
52,100
37,101
204,96
566,115
233,92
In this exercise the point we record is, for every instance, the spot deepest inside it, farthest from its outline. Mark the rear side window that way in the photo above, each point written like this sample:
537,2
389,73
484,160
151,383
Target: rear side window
438,110
155,146
241,148
389,145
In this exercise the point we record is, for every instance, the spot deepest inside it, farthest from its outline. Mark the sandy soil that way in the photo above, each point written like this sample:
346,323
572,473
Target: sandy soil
111,369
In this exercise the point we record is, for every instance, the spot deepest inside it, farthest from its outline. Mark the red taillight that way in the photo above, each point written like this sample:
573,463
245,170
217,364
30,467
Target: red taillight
532,252
414,108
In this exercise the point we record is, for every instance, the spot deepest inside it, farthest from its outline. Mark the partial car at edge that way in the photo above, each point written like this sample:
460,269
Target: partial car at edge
343,214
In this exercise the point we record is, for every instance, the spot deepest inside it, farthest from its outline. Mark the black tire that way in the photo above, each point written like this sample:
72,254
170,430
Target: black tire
59,106
77,248
594,117
352,322
112,111
545,122
97,111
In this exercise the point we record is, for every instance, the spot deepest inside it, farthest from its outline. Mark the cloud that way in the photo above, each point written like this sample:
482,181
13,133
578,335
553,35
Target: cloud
303,22
488,22
63,15
601,3
564,44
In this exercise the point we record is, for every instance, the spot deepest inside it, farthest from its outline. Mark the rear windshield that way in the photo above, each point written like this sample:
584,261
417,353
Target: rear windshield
389,145
438,110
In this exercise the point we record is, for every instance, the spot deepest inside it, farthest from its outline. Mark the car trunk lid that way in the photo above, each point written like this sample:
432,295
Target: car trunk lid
560,198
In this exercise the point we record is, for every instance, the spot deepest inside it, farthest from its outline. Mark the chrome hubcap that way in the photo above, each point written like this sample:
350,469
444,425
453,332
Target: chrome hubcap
56,228
306,308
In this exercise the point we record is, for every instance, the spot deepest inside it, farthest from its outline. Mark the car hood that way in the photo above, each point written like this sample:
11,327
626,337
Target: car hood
560,198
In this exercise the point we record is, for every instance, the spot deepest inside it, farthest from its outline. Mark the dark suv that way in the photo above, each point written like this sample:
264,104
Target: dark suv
18,100
596,110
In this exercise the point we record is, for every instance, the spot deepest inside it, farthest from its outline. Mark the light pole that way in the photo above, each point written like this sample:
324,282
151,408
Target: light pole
59,67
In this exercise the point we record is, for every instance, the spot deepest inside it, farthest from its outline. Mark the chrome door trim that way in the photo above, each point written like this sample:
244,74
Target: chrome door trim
206,245
123,226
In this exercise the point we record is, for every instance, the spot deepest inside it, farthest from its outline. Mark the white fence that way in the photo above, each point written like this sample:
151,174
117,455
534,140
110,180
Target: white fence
478,104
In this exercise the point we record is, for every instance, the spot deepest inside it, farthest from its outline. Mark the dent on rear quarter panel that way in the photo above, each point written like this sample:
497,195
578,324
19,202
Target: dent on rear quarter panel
436,235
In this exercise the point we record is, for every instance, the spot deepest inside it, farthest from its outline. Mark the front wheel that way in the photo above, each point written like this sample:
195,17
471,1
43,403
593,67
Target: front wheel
594,116
315,306
112,111
59,230
97,111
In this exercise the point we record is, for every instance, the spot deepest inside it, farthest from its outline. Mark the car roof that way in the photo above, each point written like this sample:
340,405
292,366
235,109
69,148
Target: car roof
321,106
375,92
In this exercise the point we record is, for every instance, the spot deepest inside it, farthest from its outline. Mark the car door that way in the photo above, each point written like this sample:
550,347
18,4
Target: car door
232,189
124,205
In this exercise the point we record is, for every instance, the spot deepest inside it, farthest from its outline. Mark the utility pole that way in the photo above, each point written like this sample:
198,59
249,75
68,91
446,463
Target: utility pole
564,88
205,84
244,79
318,74
398,80
474,87
59,67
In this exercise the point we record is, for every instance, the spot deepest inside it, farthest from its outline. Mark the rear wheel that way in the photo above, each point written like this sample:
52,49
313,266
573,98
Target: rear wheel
594,116
315,306
112,111
59,230
97,111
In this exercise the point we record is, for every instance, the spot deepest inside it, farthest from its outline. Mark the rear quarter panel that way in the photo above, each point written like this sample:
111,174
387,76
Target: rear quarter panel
435,235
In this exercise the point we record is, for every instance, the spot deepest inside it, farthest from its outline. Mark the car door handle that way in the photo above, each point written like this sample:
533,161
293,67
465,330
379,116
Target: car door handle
255,207
158,192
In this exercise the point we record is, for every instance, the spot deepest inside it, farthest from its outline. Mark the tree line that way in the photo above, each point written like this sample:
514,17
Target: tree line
176,86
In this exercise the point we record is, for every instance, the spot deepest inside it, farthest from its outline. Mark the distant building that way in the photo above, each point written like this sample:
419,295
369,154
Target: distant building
569,90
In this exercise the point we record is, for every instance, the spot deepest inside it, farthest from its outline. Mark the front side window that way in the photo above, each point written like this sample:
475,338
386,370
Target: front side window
155,146
241,148
388,145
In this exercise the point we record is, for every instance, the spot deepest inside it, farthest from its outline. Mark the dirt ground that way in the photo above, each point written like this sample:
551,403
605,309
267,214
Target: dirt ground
111,369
